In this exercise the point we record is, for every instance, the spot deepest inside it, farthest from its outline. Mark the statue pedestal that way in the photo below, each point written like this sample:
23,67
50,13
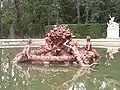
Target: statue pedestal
113,34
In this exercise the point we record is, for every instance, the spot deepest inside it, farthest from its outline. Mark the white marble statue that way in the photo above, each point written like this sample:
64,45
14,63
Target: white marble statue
112,29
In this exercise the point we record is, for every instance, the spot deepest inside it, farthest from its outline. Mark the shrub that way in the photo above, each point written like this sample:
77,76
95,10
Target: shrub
82,30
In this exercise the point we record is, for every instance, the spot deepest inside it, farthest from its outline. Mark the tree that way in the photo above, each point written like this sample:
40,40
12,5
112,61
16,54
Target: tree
1,29
29,17
18,16
77,5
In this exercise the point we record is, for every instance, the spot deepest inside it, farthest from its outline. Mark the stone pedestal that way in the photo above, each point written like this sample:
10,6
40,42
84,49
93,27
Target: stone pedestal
113,34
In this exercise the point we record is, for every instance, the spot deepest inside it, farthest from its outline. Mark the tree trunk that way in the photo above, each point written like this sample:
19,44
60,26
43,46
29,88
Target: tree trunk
17,6
57,17
41,26
9,3
12,32
1,28
43,30
77,4
48,16
48,19
78,15
86,11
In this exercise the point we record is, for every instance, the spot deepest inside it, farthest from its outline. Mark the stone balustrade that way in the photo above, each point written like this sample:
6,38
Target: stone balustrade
100,43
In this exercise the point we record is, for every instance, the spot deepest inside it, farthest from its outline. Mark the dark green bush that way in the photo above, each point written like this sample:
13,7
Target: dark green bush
82,30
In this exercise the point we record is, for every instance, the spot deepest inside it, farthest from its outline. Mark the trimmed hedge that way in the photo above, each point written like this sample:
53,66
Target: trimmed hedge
82,30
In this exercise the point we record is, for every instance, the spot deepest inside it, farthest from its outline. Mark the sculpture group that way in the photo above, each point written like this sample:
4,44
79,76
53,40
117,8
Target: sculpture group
60,47
113,29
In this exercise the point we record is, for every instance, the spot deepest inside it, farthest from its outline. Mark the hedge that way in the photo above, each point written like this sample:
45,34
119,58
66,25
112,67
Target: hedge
82,30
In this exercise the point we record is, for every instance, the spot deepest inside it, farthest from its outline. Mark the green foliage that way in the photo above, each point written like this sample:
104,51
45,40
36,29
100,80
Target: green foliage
82,30
7,19
36,14
79,30
97,30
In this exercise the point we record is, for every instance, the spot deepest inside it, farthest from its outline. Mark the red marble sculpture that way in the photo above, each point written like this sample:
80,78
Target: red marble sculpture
59,46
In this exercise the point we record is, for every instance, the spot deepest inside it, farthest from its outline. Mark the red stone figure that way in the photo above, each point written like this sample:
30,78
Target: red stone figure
89,50
79,56
25,54
59,46
88,45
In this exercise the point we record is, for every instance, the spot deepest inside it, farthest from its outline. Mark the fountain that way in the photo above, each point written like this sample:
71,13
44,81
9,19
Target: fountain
112,29
59,47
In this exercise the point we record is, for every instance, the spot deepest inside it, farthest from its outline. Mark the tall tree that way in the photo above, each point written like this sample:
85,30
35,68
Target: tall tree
1,29
77,5
18,15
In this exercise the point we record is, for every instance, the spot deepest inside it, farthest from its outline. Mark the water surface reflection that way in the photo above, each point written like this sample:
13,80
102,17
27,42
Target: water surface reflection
26,76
